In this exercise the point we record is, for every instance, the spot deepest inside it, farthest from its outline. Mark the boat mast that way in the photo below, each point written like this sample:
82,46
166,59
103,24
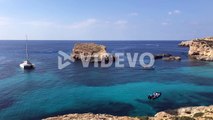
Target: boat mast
26,49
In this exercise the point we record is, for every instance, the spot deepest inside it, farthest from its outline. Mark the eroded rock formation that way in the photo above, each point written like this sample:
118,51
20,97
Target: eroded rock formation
161,56
91,52
90,116
172,58
167,57
200,49
188,113
186,43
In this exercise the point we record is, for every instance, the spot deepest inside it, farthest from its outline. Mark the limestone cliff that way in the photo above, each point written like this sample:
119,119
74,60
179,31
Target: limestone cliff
186,43
90,116
91,52
200,49
188,113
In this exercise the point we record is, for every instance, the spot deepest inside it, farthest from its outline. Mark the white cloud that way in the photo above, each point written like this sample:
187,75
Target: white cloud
39,23
121,22
174,12
177,11
83,24
51,24
45,29
164,23
134,14
170,13
77,25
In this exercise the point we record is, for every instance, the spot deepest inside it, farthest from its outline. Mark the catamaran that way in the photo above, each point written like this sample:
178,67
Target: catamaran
27,64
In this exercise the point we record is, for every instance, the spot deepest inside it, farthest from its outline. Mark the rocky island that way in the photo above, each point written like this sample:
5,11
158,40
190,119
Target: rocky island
188,113
91,52
200,49
167,57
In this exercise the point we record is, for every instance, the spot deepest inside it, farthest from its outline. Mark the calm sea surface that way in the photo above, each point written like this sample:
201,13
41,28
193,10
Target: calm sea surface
48,91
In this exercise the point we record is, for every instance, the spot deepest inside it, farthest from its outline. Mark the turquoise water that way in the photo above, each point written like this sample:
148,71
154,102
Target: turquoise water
47,91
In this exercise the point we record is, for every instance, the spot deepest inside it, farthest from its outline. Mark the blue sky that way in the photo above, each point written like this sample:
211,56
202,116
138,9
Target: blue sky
106,19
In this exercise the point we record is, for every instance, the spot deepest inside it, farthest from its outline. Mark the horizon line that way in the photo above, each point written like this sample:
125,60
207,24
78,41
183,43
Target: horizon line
91,40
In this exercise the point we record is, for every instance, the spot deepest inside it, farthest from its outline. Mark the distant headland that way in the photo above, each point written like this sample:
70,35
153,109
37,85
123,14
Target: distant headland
200,49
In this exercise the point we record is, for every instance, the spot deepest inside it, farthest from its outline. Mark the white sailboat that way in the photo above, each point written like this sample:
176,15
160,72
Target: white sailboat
27,64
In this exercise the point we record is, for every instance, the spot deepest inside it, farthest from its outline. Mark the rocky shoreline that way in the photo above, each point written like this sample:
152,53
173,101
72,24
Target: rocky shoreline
187,113
200,49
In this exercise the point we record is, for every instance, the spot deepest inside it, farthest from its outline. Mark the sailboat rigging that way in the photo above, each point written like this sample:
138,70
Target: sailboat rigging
27,64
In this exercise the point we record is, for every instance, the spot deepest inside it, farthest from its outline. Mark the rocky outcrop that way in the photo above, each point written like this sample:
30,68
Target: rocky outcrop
161,56
172,58
200,49
167,57
89,116
186,43
91,52
189,42
188,113
206,39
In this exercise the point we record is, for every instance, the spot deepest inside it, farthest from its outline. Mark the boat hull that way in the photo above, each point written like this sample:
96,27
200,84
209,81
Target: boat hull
27,66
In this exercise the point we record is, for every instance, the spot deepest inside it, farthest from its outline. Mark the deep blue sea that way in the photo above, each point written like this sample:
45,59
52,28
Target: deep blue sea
48,91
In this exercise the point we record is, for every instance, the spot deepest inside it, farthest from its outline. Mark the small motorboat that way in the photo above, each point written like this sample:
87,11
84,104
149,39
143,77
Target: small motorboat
154,96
